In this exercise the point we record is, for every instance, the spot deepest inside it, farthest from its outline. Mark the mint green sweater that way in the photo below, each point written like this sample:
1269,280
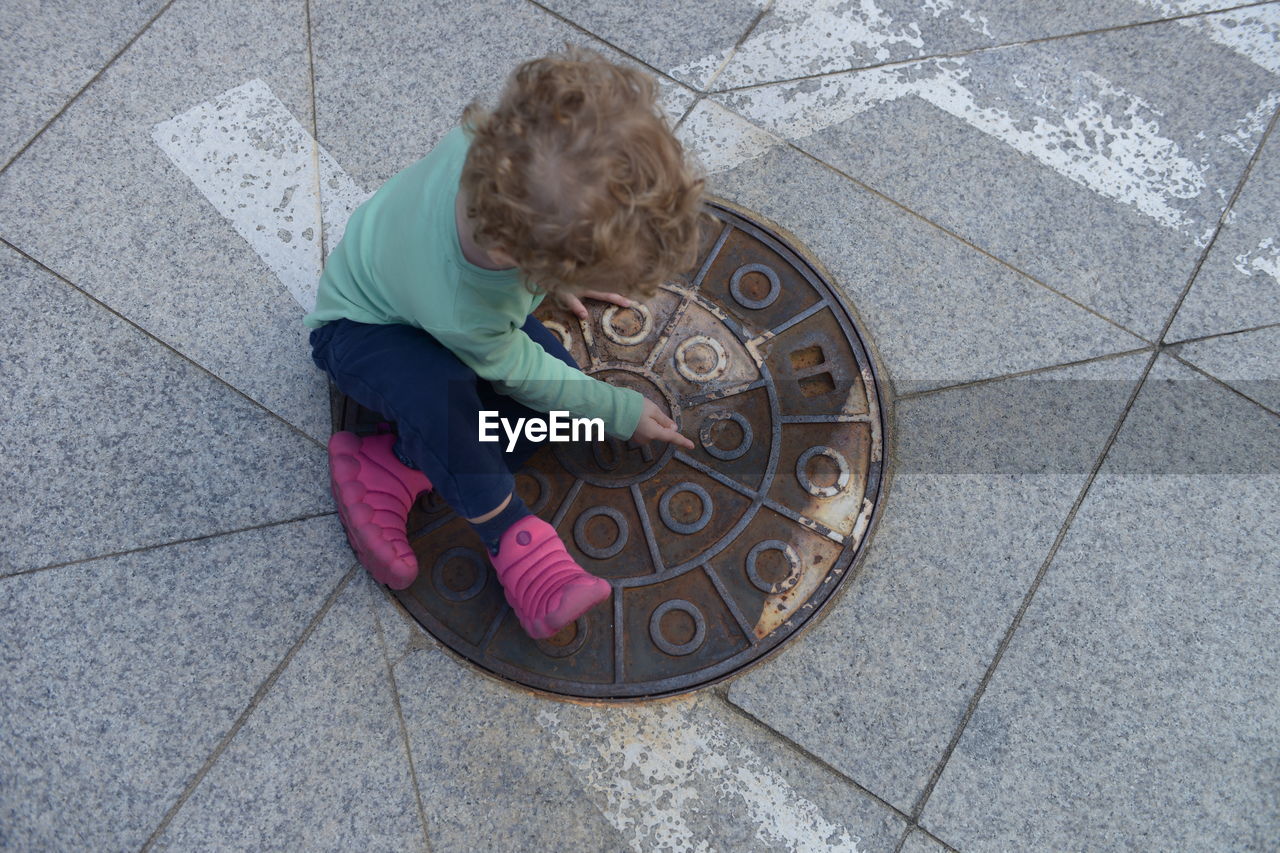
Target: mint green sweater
400,262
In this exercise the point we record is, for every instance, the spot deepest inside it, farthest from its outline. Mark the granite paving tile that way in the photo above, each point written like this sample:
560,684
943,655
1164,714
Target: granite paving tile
1135,706
111,441
505,769
979,492
939,311
799,38
98,201
320,764
687,40
1239,285
382,104
1098,164
50,51
122,674
1247,361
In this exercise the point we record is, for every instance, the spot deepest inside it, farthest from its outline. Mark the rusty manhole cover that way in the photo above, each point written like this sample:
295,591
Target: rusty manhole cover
716,555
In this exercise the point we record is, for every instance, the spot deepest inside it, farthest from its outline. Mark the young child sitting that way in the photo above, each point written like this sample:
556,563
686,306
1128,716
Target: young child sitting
574,186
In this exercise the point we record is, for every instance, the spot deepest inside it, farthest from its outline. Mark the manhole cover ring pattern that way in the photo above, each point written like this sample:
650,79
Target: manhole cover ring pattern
716,555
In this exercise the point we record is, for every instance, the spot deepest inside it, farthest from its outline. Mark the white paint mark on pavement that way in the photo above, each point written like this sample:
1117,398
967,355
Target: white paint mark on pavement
1078,123
722,140
803,37
1248,130
658,766
1096,134
1254,33
257,166
1264,259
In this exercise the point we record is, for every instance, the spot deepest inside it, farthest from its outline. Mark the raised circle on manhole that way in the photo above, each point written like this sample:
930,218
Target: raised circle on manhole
716,555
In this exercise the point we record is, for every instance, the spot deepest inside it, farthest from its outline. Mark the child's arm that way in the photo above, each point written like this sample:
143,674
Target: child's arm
653,422
518,366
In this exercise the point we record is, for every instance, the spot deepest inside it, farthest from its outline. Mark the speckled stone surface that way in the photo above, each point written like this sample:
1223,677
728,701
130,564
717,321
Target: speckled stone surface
382,103
98,202
1135,707
878,687
939,312
401,634
1189,425
1247,361
491,777
691,774
1041,423
689,41
112,442
505,769
121,675
323,757
1098,164
920,842
49,51
799,38
1239,285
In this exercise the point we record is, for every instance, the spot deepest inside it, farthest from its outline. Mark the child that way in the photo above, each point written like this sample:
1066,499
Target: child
574,186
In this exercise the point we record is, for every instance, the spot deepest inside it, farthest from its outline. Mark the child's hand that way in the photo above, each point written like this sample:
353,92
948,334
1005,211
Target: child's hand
574,304
654,424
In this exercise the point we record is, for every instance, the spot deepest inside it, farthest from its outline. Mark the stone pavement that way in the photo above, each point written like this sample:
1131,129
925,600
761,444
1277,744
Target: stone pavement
1058,223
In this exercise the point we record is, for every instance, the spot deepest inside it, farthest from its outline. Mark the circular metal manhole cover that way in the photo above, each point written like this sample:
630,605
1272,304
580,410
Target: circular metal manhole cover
715,555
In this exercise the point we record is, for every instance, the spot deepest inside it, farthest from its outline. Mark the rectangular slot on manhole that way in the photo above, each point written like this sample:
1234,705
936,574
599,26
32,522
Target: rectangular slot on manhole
807,357
816,386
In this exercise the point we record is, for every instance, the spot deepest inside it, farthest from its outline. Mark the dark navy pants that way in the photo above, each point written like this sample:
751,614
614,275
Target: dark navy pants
407,376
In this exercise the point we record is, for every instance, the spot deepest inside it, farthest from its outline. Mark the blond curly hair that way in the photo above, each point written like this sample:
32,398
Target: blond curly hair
578,178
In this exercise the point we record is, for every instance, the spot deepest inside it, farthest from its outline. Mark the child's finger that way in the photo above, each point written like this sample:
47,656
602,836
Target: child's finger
605,296
575,305
673,437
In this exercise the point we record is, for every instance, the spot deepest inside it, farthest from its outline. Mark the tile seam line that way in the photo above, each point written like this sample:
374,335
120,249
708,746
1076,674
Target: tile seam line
1224,384
986,48
922,801
733,51
151,336
404,726
698,98
803,753
167,544
1222,224
315,134
602,40
39,133
1210,337
987,380
902,842
952,234
263,689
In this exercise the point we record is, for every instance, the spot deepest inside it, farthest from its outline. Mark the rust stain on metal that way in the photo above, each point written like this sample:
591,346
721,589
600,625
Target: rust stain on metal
715,555
811,570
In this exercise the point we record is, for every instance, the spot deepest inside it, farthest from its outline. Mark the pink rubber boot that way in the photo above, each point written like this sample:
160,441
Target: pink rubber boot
544,586
374,491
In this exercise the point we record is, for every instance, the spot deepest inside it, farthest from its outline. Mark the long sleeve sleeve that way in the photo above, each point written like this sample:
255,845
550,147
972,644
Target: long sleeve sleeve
518,366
